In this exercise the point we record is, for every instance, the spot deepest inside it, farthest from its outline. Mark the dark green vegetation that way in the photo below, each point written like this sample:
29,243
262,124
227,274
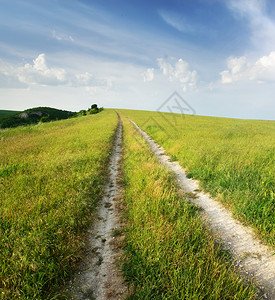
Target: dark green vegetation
91,111
40,114
233,159
169,252
51,177
35,115
7,113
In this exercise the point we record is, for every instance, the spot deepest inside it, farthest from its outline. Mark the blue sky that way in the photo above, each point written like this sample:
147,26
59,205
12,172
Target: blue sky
219,55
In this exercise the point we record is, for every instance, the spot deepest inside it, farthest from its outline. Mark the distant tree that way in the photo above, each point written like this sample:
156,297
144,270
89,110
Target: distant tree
94,109
83,112
45,119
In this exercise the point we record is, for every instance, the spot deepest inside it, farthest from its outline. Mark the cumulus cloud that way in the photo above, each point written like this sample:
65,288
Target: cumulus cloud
241,69
38,73
148,75
179,71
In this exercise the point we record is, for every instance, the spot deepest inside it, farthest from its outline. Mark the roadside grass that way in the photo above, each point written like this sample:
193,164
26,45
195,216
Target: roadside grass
51,177
233,159
169,254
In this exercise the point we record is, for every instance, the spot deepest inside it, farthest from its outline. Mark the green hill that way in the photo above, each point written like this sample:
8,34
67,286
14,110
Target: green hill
35,115
7,113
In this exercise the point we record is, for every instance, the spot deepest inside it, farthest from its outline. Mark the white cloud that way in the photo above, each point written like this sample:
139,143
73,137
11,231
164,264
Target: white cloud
226,77
8,77
240,69
40,74
248,7
62,37
176,21
237,64
179,71
262,26
88,80
148,75
10,82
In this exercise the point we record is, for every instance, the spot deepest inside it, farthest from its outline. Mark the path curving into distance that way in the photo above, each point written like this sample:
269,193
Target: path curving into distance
99,277
251,255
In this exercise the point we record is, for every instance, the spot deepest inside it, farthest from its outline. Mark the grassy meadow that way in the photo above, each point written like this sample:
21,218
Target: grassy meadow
233,159
51,177
169,254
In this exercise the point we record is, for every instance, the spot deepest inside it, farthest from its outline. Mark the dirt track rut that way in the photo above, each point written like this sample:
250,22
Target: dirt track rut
251,255
99,276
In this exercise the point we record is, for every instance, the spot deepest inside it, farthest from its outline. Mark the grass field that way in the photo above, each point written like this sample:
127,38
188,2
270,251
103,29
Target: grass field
51,177
169,253
7,113
233,160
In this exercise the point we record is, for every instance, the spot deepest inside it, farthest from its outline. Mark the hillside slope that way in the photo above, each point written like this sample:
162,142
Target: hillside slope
232,159
51,177
7,113
34,115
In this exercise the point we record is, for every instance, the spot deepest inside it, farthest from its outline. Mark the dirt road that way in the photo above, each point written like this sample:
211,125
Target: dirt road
99,276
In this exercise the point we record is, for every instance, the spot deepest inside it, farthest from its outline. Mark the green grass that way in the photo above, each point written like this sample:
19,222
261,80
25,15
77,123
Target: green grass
7,113
169,254
233,160
51,178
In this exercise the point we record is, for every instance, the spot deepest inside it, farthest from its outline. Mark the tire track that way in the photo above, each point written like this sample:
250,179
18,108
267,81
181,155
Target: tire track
251,256
99,277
